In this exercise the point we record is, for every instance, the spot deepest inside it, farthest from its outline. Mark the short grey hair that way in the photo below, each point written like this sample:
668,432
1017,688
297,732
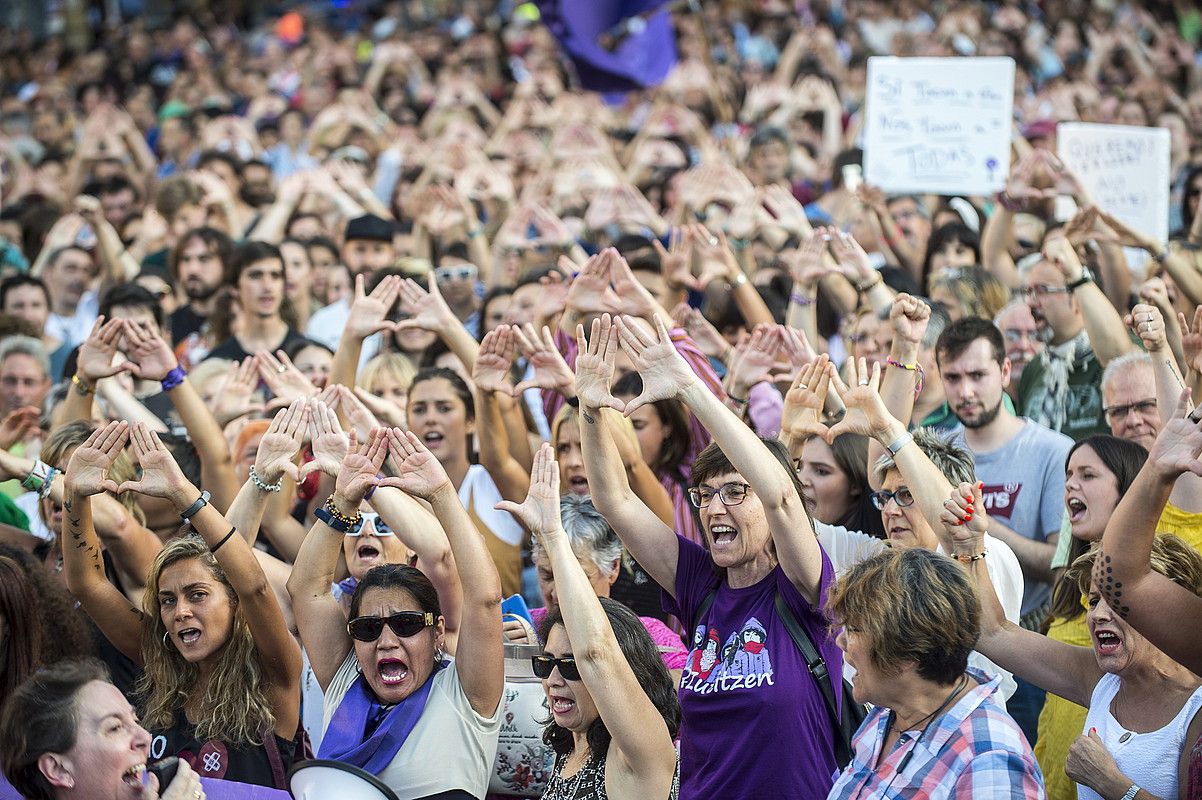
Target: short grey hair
1014,304
591,536
919,203
1124,362
1028,262
26,345
953,460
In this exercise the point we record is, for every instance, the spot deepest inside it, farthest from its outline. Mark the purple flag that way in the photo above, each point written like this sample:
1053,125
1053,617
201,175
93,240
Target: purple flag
641,58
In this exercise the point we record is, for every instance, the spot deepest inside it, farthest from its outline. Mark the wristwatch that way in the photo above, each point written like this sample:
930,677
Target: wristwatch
1086,277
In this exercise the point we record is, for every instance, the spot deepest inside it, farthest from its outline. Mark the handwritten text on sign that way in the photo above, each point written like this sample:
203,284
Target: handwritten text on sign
1123,169
938,125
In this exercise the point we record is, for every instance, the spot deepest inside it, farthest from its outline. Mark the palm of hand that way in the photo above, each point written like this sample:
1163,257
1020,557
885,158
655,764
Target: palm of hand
540,511
802,412
419,474
366,314
664,372
275,450
355,477
329,451
753,366
87,470
159,473
550,371
1178,445
156,362
1191,345
490,372
593,379
862,414
95,359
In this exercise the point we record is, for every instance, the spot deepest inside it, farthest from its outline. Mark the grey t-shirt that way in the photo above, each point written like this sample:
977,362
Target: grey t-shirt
1024,489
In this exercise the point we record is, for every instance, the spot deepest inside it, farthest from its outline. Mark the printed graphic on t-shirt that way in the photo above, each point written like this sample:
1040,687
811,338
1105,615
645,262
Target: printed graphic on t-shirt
741,662
1000,498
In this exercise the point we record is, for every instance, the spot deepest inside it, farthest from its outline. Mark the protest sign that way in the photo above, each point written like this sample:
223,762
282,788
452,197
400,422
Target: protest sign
939,125
1123,169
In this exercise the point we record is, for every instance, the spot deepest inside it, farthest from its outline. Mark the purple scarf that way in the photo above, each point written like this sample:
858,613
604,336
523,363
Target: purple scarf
344,738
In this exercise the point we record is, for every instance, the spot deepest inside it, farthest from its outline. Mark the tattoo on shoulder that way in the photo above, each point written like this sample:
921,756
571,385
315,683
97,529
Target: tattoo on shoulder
588,417
1112,590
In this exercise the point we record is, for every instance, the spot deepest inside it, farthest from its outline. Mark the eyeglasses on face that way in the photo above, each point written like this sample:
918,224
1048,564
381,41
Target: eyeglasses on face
902,497
1042,290
1122,412
378,525
403,624
444,274
731,494
1016,335
543,664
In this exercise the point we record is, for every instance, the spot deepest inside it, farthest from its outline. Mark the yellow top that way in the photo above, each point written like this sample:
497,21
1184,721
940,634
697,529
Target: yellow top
1182,523
1061,722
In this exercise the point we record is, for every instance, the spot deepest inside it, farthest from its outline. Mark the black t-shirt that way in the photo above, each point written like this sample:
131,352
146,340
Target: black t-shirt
184,322
216,759
231,348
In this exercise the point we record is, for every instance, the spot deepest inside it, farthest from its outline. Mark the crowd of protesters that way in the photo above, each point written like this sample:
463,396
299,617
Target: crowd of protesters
325,335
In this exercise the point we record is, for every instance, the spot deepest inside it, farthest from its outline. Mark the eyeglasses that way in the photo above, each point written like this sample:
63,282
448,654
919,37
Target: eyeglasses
444,274
1015,335
1122,412
1042,290
902,497
543,664
403,624
378,525
731,494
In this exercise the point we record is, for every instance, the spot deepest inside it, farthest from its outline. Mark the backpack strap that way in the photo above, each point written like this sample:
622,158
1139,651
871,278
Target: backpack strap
844,724
706,602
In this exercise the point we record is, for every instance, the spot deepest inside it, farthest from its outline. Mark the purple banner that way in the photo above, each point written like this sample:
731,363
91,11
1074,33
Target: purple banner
232,790
642,58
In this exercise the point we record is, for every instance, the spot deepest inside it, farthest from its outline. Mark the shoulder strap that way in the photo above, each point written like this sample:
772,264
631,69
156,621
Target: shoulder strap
845,723
706,602
275,758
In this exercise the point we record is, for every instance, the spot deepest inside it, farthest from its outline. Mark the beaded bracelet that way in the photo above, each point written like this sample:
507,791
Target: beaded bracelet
916,368
263,486
969,559
350,522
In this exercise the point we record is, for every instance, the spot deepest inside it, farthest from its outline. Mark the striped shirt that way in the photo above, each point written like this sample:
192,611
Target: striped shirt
975,750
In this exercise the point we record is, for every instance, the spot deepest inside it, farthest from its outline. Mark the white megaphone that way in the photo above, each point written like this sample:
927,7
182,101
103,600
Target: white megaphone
322,779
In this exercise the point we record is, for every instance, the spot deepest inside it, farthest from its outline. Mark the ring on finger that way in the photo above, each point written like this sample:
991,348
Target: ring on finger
281,369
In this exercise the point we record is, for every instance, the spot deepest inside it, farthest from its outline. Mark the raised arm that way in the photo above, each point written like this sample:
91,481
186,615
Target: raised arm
87,474
495,401
154,360
368,315
319,618
277,651
651,542
1107,334
479,656
273,460
643,742
430,312
666,375
1150,602
1062,669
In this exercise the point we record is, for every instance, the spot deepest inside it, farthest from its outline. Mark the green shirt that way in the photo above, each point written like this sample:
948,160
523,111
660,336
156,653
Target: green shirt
1083,412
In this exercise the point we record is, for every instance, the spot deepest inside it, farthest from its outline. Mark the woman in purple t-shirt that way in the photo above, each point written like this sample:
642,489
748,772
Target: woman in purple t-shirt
754,724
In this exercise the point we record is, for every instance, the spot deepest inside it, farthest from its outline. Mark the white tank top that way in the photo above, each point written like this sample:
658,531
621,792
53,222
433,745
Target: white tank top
1148,759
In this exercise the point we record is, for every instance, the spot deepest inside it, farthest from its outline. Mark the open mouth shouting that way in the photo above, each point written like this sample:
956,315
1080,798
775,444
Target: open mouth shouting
135,777
188,637
578,484
392,671
1076,509
433,439
1107,643
562,706
723,535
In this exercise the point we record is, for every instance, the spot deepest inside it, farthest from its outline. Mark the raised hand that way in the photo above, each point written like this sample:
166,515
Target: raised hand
664,372
866,412
369,312
87,471
550,370
151,357
806,266
419,473
849,255
427,309
1148,324
595,365
754,360
802,412
676,261
964,519
282,377
491,370
237,396
282,441
539,512
589,292
1176,449
359,470
1191,340
161,476
1057,250
98,356
909,317
17,425
330,444
386,411
357,414
700,330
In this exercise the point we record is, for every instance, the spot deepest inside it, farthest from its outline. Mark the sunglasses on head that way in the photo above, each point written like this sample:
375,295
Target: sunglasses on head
403,624
378,525
543,664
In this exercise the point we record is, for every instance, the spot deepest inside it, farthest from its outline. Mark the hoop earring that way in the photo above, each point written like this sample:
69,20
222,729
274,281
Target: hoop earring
165,635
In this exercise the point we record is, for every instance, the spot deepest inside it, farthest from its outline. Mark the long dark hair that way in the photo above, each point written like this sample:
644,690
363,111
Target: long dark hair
21,648
851,456
1124,459
644,658
673,416
398,576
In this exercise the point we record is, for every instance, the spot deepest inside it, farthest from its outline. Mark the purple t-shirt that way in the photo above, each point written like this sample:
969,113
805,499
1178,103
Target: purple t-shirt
754,724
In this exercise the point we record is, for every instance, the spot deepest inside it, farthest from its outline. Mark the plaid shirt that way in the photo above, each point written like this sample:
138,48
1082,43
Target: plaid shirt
975,750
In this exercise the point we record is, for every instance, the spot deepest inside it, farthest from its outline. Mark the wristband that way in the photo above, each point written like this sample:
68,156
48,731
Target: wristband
335,519
174,378
261,485
1132,792
1086,277
44,492
969,559
916,368
801,299
191,510
81,386
573,401
224,539
898,443
37,477
1007,202
870,283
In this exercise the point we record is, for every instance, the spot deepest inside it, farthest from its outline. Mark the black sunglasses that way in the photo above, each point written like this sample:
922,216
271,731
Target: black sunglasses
403,624
543,664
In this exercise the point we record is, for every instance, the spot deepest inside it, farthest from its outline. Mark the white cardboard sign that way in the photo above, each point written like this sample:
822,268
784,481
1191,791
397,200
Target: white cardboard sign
938,125
1124,169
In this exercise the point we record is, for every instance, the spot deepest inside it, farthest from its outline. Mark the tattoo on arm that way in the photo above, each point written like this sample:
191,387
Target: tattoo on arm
1112,590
